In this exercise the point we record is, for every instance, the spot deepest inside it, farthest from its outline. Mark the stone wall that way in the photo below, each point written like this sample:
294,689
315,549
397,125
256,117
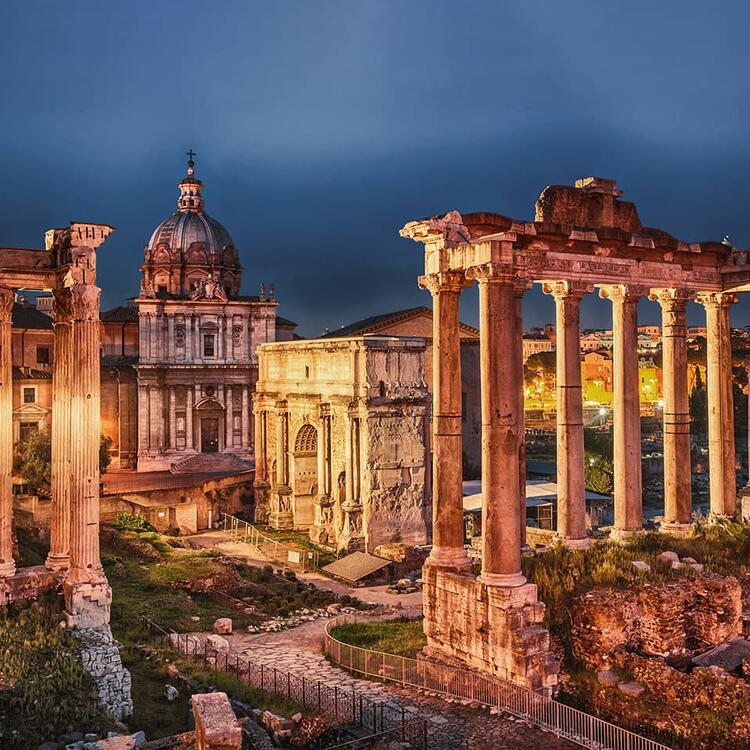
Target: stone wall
688,615
100,656
492,628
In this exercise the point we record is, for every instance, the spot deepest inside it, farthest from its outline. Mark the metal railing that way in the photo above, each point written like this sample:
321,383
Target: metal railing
550,715
288,557
381,721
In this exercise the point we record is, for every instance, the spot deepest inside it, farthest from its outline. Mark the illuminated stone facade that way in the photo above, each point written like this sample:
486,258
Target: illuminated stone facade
342,440
197,336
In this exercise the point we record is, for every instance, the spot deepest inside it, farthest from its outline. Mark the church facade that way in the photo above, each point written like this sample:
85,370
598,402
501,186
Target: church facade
197,363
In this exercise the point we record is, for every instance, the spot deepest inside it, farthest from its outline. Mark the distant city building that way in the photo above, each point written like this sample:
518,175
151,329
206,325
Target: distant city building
535,342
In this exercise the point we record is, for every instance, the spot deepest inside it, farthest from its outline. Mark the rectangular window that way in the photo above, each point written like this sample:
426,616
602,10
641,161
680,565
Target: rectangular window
42,355
208,345
29,395
27,428
20,489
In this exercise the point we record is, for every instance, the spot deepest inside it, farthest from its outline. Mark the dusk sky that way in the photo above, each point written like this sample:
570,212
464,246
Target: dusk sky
322,127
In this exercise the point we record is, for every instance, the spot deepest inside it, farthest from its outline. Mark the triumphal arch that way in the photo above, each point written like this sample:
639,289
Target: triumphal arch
67,267
582,237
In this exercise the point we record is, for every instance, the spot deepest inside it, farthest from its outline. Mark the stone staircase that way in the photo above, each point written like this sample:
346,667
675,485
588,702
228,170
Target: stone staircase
211,463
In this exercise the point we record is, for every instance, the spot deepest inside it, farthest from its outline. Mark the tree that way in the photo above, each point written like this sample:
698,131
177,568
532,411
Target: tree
600,473
34,460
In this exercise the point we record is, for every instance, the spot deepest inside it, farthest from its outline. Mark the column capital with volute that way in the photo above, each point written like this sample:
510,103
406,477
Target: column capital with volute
444,281
565,288
623,292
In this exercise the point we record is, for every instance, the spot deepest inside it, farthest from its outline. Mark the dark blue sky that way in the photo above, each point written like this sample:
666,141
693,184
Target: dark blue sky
322,127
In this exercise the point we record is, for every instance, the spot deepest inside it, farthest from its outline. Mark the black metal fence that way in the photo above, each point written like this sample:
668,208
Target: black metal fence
379,721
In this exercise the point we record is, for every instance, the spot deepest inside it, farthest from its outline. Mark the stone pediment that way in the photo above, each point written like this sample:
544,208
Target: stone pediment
209,404
30,410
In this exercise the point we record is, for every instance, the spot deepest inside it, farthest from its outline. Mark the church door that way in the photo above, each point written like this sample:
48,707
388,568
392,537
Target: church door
209,435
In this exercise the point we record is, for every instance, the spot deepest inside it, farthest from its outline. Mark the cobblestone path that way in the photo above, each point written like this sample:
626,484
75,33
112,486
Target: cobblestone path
451,726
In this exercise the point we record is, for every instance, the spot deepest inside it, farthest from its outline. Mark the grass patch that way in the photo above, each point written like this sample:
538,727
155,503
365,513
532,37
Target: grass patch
44,689
298,540
401,637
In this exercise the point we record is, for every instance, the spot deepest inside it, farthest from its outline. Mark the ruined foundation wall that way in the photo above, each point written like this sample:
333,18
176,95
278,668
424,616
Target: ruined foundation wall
491,628
100,656
689,615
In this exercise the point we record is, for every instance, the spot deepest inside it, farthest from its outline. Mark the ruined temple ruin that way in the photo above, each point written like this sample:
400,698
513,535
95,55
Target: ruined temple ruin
67,267
342,435
581,237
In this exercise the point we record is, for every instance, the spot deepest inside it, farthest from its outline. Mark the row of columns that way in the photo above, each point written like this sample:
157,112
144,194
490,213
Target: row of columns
503,475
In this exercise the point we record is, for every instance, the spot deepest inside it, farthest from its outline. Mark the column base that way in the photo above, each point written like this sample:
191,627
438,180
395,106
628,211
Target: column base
87,604
573,544
675,528
506,580
7,569
720,517
451,558
57,562
623,535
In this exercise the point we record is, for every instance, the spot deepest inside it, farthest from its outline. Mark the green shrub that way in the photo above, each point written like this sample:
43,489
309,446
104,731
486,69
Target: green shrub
131,522
45,690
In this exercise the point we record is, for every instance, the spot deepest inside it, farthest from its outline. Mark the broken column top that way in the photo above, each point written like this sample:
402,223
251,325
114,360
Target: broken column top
216,726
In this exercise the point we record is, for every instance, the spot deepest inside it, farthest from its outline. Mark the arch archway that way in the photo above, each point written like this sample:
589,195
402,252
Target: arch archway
305,475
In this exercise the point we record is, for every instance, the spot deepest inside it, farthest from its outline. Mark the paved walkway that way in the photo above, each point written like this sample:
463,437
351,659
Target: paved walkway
452,726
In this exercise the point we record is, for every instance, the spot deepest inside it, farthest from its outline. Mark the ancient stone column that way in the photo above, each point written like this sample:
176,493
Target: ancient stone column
447,478
7,564
282,517
244,419
571,489
520,287
676,413
172,418
62,440
499,341
188,417
87,593
721,458
627,414
229,419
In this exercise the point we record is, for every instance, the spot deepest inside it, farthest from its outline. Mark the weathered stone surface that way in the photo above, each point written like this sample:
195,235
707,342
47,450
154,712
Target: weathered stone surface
124,742
608,678
100,656
223,626
216,727
492,628
217,642
661,620
640,566
667,557
279,725
633,689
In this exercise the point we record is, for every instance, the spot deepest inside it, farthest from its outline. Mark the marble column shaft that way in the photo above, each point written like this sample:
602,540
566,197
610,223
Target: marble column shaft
229,419
721,455
676,413
499,341
85,565
172,418
245,418
188,417
7,564
521,286
447,437
571,489
61,437
627,414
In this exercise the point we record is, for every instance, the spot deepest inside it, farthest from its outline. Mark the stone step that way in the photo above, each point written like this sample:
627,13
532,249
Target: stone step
211,463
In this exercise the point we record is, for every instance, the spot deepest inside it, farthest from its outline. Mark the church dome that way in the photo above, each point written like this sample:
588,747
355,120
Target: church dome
184,228
188,247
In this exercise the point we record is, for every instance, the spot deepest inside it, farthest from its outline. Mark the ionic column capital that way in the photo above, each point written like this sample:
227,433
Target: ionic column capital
7,297
671,299
562,289
445,281
496,273
716,299
622,292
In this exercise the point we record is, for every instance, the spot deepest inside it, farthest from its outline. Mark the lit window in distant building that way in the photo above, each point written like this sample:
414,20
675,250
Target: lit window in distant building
27,428
42,355
29,395
209,349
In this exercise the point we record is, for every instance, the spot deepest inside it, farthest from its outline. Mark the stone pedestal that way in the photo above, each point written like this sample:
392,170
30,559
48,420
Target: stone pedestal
262,501
281,516
496,629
